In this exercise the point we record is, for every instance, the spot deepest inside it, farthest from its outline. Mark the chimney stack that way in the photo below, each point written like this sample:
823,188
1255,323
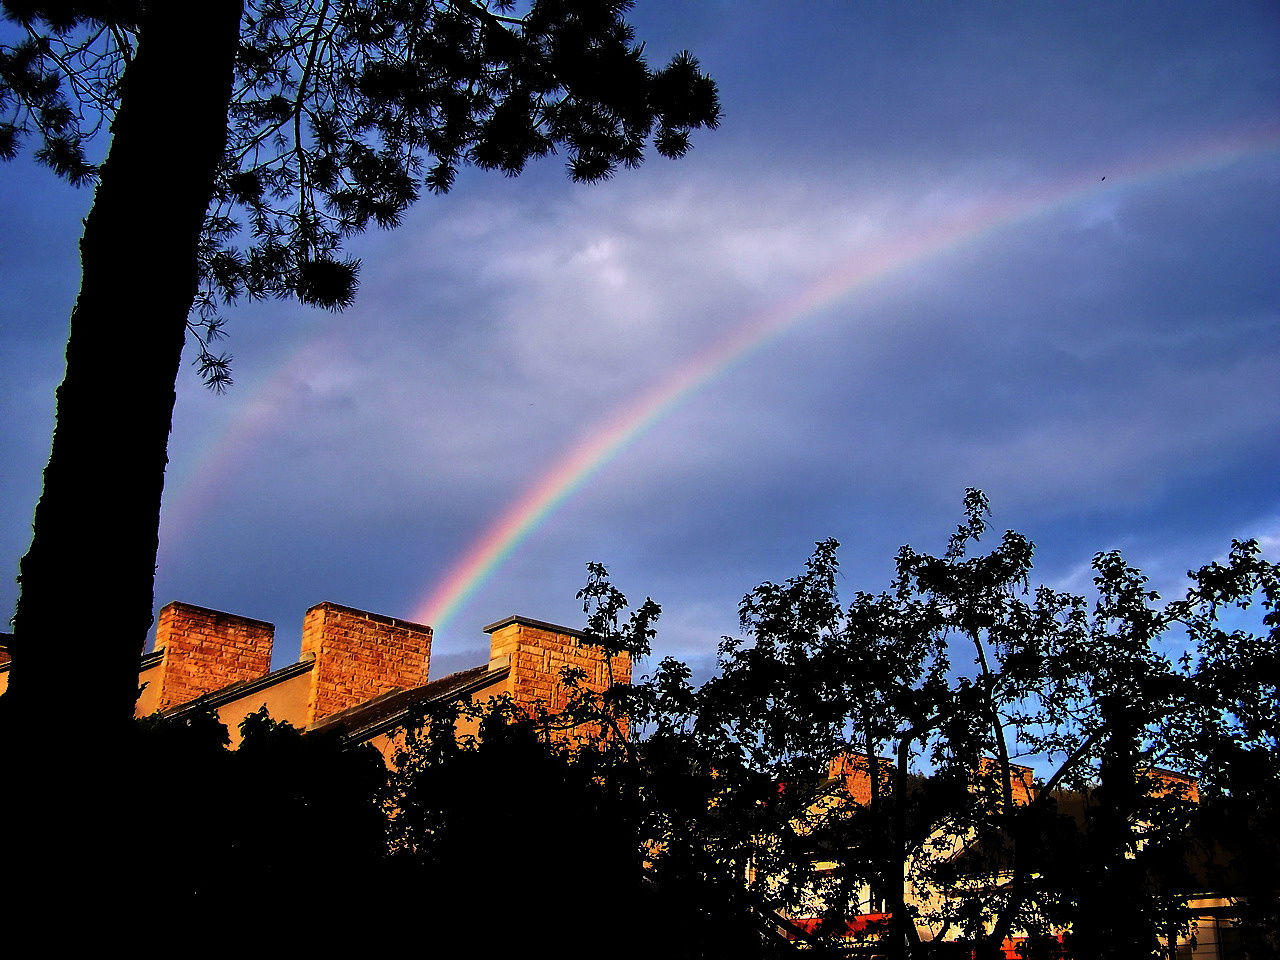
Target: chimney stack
359,656
201,650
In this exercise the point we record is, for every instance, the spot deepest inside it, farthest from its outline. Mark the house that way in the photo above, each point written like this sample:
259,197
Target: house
974,867
361,673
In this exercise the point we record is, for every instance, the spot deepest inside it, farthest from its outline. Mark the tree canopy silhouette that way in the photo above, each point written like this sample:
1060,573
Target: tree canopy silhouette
249,139
1008,762
1024,752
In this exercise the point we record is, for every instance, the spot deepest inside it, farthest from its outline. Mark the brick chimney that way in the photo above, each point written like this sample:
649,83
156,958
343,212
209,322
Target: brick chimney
359,656
855,769
1022,783
200,651
1165,783
538,653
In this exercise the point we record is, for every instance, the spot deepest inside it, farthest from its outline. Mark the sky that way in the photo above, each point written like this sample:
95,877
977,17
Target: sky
1028,247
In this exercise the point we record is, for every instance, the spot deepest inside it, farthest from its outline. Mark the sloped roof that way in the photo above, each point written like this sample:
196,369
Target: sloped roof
399,707
233,691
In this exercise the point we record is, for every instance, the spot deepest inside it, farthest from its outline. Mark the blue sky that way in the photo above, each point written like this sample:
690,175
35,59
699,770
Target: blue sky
1106,368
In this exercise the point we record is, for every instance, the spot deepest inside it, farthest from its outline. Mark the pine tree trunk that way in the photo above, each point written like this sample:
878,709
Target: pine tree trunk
72,795
88,579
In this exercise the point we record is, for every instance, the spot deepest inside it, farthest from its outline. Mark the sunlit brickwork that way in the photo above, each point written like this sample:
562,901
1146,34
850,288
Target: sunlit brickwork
359,656
539,653
205,650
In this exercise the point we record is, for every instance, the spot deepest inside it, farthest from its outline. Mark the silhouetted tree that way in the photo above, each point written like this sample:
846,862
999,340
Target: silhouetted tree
1082,689
282,126
712,806
704,811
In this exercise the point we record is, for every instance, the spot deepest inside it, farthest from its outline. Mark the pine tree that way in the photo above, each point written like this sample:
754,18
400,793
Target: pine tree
248,141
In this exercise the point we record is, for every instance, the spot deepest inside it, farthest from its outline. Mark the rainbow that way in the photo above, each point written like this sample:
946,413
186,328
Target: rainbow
228,451
624,425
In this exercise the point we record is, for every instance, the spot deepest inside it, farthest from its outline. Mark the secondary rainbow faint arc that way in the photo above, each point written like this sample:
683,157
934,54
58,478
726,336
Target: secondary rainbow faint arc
630,421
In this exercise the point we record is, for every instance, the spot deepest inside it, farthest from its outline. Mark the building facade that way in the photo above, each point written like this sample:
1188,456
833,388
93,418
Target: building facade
362,673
